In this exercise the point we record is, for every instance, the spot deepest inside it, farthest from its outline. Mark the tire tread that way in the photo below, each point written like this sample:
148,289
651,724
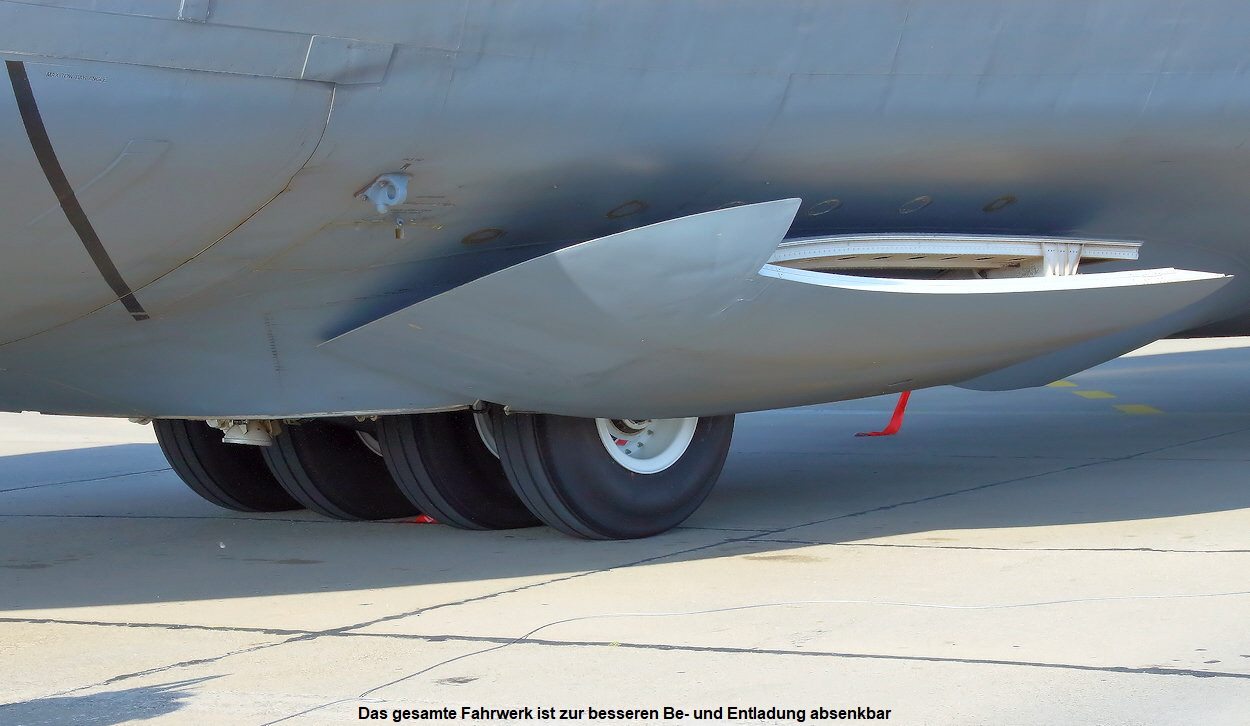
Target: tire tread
233,476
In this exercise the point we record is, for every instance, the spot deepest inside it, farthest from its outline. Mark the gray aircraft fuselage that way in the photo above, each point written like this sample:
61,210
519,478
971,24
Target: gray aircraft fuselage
216,151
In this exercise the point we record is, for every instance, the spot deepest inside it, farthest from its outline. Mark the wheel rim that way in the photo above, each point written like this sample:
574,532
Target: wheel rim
646,446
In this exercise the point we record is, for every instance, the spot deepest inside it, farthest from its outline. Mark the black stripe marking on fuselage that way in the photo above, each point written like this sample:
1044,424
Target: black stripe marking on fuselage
42,147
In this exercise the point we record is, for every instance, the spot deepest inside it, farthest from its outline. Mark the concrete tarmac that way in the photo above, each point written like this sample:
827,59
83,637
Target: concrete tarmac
1074,554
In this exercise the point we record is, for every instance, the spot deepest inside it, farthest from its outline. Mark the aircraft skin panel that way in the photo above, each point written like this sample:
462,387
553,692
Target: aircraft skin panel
136,178
220,174
189,44
668,321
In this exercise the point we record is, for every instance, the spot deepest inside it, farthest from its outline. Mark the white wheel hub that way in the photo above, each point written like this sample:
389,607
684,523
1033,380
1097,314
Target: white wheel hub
647,446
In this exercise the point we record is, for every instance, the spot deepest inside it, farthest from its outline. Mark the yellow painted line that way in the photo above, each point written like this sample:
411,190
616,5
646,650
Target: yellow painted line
1136,408
1094,394
1062,384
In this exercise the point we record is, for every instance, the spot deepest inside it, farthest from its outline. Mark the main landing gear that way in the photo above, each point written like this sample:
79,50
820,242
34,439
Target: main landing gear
334,470
593,478
228,475
442,461
612,478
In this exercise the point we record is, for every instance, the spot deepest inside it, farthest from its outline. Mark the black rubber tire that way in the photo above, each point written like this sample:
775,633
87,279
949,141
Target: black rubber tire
440,463
329,469
562,472
233,476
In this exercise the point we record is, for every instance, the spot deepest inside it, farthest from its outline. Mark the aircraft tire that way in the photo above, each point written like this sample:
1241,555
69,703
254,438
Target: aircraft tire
330,470
563,470
442,465
233,476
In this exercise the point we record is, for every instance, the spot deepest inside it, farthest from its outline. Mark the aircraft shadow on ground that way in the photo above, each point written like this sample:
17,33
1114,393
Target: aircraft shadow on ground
104,709
791,480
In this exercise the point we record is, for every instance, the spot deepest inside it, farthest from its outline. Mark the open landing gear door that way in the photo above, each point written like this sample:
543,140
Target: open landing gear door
686,318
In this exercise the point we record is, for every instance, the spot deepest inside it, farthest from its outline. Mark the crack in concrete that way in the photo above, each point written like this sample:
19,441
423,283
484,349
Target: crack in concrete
85,481
730,650
991,485
158,626
1003,549
306,635
351,630
224,517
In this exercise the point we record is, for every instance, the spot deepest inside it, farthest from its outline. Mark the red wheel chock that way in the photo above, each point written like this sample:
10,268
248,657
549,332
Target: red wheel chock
896,421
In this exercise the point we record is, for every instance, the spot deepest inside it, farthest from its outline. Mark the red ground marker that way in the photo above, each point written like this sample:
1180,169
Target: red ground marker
896,421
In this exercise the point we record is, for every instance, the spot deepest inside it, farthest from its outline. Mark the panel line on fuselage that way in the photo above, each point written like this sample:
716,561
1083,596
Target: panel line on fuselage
42,146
